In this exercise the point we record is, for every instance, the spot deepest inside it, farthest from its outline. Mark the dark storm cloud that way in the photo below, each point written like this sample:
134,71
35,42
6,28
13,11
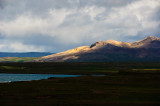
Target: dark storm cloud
40,7
105,3
156,14
2,4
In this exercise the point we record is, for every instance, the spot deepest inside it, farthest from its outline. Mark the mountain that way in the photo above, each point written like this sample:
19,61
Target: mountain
147,49
24,54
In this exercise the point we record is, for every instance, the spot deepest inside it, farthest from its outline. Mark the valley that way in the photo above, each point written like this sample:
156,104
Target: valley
131,76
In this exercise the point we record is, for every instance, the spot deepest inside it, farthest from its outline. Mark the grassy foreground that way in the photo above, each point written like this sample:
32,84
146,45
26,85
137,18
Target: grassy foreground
113,89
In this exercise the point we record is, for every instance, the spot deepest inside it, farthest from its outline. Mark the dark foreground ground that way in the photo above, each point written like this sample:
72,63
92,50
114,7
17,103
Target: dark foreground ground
113,89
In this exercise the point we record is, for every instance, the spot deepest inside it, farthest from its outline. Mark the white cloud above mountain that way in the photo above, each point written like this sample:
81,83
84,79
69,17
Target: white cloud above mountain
58,25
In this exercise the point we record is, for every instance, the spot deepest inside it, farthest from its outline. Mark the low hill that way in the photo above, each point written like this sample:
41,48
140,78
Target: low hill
17,59
24,54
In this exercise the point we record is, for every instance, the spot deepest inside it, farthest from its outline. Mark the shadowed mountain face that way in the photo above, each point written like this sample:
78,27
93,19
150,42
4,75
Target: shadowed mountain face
147,49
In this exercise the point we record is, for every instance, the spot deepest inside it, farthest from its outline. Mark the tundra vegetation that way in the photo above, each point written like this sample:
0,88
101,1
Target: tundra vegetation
124,84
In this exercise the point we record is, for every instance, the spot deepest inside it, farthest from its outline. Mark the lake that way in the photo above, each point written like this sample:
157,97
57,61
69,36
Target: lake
4,78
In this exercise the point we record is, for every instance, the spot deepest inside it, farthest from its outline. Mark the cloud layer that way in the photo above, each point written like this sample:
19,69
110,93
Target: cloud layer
58,25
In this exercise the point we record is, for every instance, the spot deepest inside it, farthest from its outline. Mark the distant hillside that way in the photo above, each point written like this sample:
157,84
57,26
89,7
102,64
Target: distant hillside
25,54
147,49
17,59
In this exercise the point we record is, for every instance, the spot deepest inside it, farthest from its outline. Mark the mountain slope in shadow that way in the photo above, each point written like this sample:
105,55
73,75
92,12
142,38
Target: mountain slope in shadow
147,49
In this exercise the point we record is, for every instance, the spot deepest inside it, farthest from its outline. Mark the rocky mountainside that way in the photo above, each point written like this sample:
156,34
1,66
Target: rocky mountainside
147,49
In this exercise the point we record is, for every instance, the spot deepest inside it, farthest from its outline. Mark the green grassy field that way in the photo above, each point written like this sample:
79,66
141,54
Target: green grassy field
113,89
76,68
58,68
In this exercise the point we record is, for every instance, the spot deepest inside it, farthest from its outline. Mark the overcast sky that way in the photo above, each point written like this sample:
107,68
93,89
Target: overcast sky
58,25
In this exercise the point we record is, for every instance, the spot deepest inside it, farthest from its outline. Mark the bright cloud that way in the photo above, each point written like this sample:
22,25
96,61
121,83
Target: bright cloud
58,25
19,47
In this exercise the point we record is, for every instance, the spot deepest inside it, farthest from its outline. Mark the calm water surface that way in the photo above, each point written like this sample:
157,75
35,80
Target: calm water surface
28,77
